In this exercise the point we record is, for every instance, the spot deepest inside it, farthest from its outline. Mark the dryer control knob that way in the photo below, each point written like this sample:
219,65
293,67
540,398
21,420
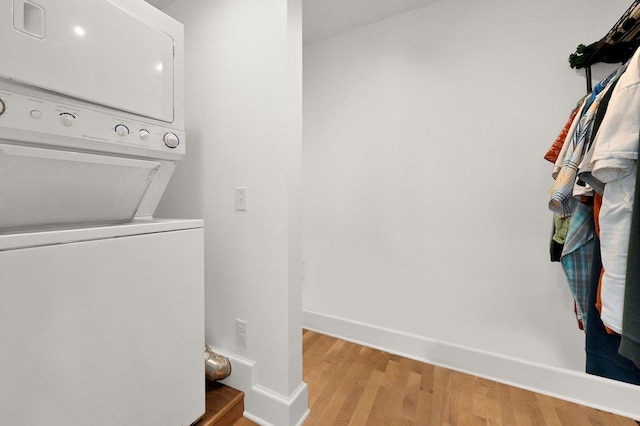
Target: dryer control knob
171,140
122,130
144,134
67,119
3,107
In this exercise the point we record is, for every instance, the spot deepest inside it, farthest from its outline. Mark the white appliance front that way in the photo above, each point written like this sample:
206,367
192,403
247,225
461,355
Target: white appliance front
91,50
91,111
101,305
103,331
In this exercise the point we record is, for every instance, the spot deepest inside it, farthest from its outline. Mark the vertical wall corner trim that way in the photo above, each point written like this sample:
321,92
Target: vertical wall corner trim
263,405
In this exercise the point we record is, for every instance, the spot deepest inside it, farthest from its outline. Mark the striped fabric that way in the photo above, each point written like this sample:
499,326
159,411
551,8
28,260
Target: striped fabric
566,167
561,201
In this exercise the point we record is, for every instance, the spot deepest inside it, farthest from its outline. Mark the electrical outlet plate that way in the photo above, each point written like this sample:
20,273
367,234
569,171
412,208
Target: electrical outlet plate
241,332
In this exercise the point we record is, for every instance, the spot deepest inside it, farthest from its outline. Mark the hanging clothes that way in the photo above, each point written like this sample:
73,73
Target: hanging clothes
577,257
597,187
613,163
577,253
584,170
562,192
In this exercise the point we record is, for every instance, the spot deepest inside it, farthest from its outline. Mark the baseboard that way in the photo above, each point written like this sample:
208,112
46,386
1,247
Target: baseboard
581,388
279,410
263,405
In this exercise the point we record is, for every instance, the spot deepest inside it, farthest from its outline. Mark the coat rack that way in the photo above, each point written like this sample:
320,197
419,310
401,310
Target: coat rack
617,46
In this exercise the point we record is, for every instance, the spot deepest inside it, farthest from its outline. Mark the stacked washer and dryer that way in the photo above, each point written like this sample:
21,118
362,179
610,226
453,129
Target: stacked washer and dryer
101,304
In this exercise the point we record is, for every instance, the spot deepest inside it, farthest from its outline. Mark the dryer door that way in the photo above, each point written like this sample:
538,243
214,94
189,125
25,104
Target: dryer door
52,188
90,50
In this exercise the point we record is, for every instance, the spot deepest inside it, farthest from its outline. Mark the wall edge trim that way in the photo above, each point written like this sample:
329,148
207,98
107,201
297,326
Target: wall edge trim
263,405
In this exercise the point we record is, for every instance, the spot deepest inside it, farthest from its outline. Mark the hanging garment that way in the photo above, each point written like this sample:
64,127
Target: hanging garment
577,254
577,257
562,190
603,358
559,234
562,201
630,343
613,163
597,204
584,170
567,143
615,225
554,151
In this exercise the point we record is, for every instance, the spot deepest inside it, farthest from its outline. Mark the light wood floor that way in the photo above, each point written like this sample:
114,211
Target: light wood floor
351,384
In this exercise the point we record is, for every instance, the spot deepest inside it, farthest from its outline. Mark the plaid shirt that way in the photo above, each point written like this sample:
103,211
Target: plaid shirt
577,257
562,190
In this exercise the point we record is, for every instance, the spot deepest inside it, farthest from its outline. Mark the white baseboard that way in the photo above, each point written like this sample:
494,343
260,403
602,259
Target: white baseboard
607,395
279,410
263,405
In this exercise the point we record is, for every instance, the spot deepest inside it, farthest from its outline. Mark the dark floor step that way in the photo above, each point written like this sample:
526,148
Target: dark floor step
224,405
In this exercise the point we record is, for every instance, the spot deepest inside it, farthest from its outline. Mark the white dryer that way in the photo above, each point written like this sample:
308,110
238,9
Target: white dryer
101,304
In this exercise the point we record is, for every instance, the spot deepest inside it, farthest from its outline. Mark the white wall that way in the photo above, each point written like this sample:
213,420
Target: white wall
243,109
425,190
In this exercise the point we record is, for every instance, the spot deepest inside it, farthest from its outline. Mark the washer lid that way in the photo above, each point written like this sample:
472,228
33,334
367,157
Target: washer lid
55,189
90,50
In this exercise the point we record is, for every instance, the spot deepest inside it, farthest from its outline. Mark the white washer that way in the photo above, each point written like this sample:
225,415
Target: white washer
103,326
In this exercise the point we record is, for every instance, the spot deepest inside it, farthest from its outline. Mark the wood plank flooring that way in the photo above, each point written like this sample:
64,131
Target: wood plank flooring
354,385
245,422
224,405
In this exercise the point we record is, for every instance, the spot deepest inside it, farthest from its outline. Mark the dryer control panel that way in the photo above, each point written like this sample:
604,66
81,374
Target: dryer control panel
61,123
